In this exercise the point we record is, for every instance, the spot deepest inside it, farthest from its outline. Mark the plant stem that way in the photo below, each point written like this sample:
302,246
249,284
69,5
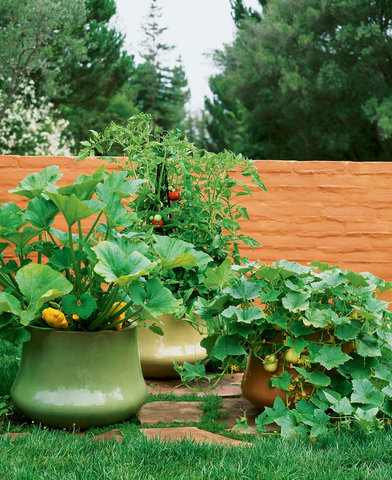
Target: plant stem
9,275
93,226
52,237
74,262
108,305
39,253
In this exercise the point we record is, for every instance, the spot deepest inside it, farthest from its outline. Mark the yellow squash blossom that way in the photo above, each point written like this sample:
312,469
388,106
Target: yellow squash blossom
115,308
54,318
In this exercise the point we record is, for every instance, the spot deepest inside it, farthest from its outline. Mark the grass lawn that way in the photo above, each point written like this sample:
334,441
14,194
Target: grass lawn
56,454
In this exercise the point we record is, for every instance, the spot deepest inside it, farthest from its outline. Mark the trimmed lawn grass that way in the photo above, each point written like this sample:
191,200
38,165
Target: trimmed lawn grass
55,454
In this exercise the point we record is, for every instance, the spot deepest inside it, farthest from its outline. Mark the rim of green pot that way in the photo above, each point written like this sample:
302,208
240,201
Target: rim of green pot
58,330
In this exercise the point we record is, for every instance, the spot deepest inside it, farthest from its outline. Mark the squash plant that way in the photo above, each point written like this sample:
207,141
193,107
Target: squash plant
187,193
100,273
325,324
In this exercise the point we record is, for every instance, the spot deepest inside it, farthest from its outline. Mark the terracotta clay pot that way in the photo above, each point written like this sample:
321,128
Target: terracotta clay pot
256,381
180,342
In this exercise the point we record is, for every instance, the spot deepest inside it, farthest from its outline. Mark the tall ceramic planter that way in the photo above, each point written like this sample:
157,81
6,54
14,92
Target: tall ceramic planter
79,379
180,342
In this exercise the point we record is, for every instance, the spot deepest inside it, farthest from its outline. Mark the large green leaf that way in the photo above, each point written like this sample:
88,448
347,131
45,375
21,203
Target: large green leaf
348,331
315,317
295,301
297,328
35,183
364,392
342,406
159,300
8,303
129,245
283,381
10,218
369,347
71,207
227,345
219,276
278,410
333,278
13,332
116,214
359,367
324,266
21,239
331,357
267,272
318,422
316,378
63,236
246,316
40,213
84,306
123,187
366,417
356,279
84,186
243,289
61,259
174,252
288,269
297,344
40,284
288,425
116,266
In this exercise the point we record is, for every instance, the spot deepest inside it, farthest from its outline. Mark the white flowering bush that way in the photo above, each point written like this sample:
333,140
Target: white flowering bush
29,126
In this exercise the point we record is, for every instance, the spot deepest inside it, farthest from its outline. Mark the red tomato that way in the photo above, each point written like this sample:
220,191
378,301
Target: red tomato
174,195
158,224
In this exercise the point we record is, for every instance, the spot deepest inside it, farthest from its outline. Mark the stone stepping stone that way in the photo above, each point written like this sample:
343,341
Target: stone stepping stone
236,408
168,412
110,435
190,433
13,435
230,386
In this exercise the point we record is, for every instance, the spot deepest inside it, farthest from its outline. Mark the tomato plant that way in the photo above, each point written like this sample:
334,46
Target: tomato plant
172,168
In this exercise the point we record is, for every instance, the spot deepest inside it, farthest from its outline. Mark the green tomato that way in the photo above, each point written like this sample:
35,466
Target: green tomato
291,356
270,363
157,218
277,327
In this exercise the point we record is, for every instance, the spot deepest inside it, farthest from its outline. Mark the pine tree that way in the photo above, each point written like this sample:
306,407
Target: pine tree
95,94
161,90
310,79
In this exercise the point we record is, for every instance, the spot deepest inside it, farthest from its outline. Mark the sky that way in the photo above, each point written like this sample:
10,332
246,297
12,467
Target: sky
194,27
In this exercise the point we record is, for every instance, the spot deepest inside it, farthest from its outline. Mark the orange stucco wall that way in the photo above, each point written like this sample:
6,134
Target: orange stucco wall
336,212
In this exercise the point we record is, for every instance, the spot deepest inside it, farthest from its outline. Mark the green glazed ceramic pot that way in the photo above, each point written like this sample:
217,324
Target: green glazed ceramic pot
180,342
80,379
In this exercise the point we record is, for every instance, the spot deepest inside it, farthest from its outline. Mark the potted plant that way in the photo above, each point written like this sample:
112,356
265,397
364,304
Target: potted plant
317,341
73,297
187,193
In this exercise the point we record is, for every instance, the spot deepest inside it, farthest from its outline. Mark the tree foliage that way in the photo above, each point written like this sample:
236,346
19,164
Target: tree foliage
95,95
161,90
33,33
306,79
